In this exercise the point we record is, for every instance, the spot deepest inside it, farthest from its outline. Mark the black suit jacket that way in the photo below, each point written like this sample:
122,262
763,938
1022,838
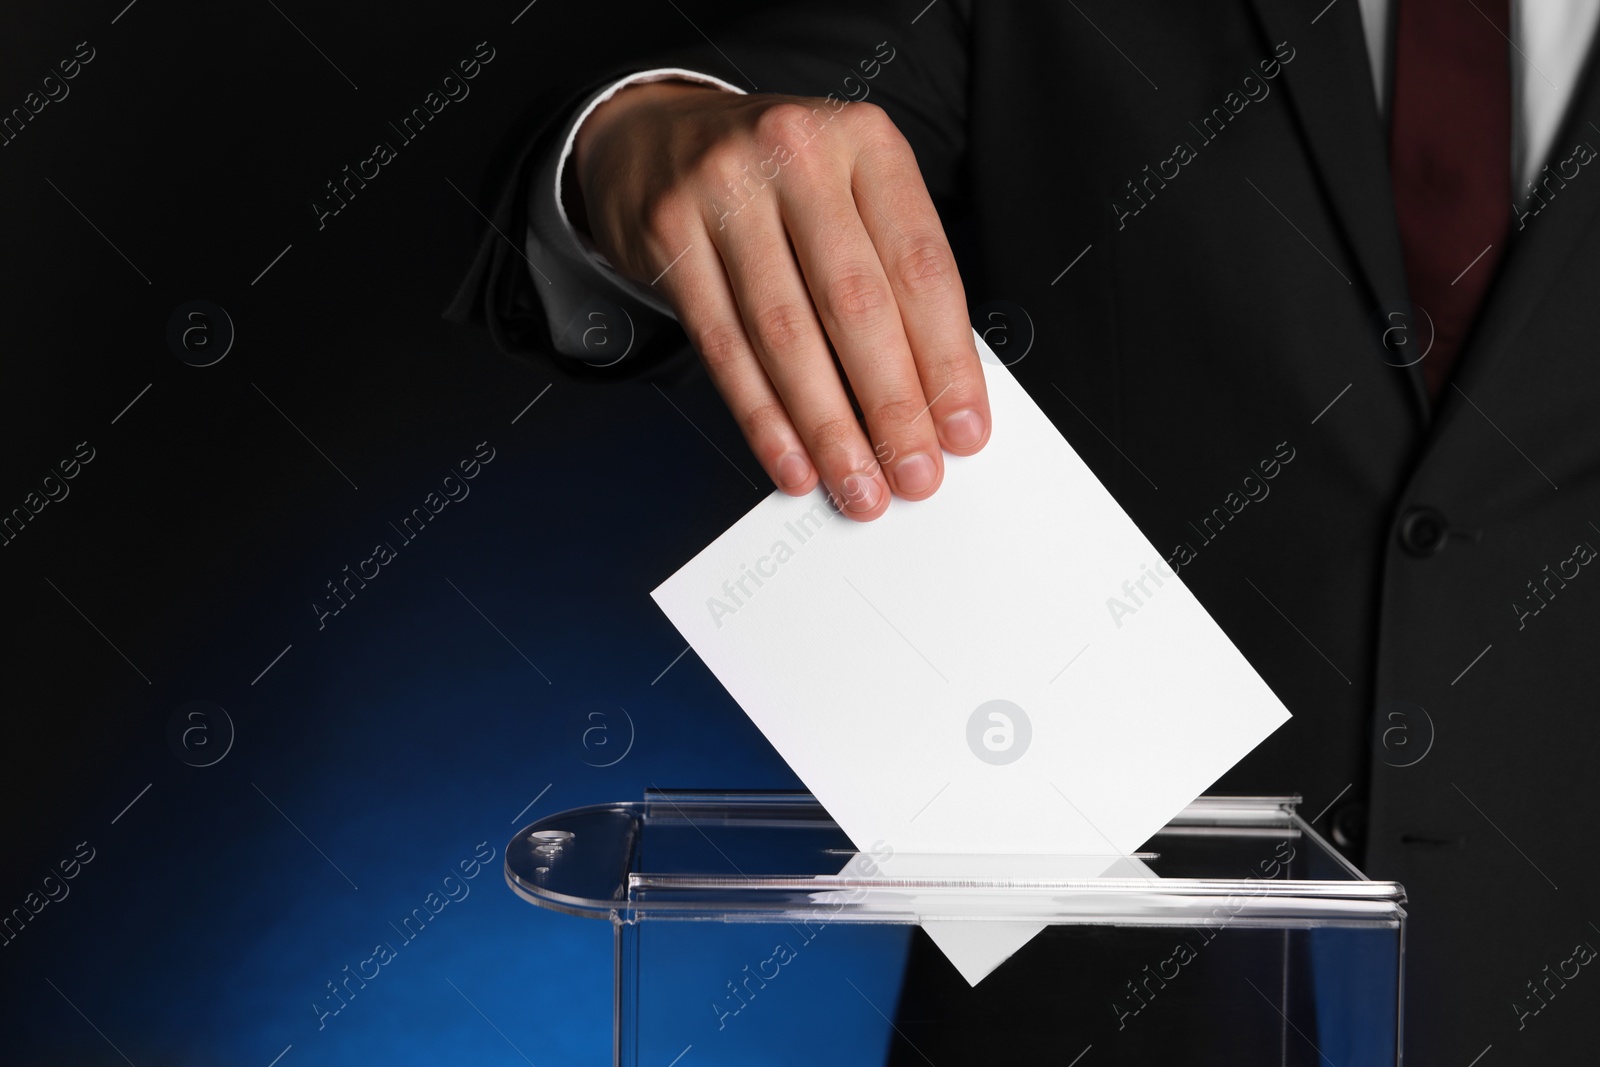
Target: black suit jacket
1412,583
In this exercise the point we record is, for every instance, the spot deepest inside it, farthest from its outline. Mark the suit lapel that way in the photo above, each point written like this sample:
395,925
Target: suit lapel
1329,84
1538,251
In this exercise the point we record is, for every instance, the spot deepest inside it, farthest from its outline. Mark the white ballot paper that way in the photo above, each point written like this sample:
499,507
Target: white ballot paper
1007,669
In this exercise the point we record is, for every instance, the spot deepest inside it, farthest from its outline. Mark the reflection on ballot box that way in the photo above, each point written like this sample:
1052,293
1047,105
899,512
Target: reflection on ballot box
748,930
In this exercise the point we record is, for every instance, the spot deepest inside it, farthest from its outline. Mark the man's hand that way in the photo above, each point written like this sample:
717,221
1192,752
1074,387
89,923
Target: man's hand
777,226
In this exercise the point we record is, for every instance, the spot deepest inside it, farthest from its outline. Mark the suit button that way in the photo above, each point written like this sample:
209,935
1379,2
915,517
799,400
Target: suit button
1423,531
1350,826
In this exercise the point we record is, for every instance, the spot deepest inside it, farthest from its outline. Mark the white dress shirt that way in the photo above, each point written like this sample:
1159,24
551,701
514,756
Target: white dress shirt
1548,43
1549,40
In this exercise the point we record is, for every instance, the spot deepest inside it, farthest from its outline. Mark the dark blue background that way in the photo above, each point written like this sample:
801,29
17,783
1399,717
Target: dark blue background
397,739
408,730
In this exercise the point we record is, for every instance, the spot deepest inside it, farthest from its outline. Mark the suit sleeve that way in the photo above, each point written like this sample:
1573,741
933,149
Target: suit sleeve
910,58
596,315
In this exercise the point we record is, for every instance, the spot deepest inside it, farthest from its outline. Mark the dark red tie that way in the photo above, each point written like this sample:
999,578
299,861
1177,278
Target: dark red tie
1450,163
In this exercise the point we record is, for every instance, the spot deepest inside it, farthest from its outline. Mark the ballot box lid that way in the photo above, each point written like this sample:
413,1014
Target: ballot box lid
778,857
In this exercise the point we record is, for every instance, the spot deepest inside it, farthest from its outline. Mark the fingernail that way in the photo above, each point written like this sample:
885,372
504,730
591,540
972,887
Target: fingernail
793,470
963,429
860,493
915,474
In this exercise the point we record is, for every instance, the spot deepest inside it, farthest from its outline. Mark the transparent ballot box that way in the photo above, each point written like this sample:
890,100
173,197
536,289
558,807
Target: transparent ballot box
750,931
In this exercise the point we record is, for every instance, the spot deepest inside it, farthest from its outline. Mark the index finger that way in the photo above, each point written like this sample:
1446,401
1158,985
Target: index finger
904,226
